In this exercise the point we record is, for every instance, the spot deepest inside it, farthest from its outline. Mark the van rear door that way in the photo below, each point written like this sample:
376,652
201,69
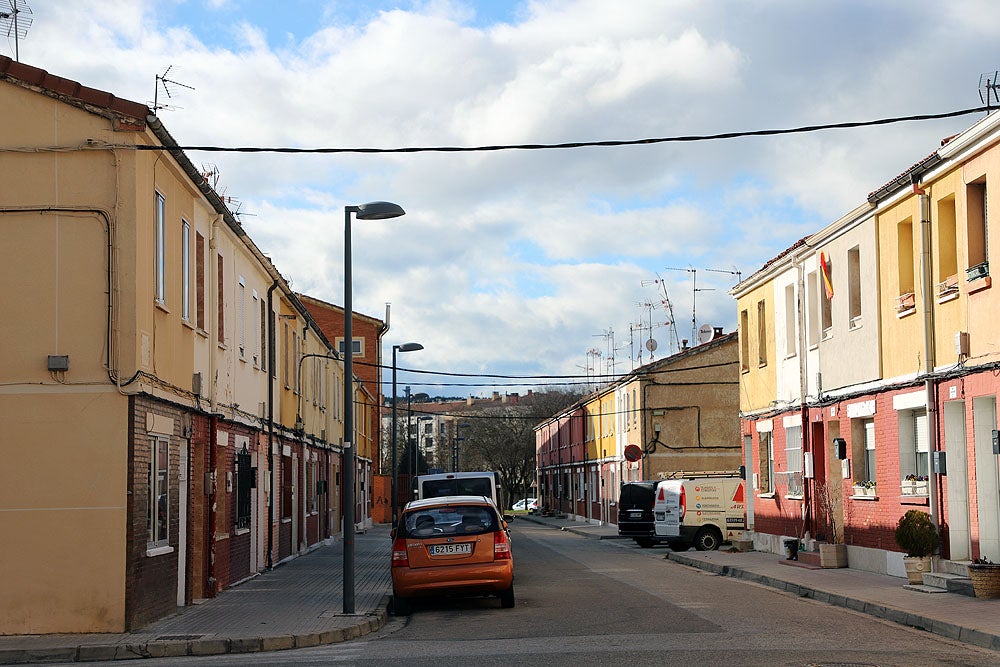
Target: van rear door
669,507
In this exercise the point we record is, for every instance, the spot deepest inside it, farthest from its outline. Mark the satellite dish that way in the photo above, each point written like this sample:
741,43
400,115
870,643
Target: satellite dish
651,345
706,333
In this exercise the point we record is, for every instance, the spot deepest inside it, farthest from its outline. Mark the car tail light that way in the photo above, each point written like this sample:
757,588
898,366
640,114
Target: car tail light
399,557
501,546
683,503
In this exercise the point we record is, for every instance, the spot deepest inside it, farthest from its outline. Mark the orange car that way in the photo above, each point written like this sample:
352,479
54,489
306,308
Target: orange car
452,545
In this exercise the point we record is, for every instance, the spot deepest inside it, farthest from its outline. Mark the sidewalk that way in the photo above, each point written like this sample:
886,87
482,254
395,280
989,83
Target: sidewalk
967,619
297,604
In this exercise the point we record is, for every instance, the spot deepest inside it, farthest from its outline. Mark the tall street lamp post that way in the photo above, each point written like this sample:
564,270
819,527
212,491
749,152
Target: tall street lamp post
378,210
405,347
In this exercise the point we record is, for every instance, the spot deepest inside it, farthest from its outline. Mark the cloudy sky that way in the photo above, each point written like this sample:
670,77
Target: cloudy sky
520,263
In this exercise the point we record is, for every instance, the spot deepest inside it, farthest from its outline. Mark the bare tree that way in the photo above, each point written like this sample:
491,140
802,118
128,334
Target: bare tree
502,438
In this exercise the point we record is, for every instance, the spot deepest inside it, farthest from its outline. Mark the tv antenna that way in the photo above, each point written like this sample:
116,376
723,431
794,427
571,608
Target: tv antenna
14,25
694,298
162,80
668,307
609,341
989,88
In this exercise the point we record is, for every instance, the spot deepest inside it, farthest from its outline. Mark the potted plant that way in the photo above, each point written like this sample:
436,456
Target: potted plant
865,487
917,536
833,551
914,485
985,576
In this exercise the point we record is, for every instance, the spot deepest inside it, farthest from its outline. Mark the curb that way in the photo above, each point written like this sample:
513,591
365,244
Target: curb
899,616
127,650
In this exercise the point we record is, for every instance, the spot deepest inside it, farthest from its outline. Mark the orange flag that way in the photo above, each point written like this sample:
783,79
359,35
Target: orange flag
825,269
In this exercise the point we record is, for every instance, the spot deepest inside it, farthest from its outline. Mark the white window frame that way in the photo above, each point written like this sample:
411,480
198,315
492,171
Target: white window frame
793,461
185,270
242,315
158,483
160,240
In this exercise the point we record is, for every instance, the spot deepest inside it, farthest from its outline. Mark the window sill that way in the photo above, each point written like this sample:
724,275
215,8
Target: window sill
900,314
864,497
286,520
158,551
979,284
769,494
161,306
945,298
241,531
187,323
202,333
800,497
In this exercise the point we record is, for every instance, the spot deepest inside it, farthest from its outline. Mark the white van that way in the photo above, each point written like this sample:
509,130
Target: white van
704,510
459,484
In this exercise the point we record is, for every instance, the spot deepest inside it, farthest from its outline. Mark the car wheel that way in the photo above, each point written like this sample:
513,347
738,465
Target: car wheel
399,606
707,540
507,598
678,545
645,542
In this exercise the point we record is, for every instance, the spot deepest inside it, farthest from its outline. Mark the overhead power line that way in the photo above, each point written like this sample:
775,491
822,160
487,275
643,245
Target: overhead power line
573,144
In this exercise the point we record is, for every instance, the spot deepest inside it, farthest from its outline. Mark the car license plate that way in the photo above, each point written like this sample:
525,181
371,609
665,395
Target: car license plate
636,513
450,549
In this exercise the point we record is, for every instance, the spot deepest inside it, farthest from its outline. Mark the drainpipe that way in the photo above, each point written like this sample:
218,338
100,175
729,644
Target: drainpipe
930,358
271,361
212,509
803,388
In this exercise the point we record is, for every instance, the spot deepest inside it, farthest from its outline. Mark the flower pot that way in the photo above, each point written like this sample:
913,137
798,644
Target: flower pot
862,491
832,555
915,568
985,580
914,488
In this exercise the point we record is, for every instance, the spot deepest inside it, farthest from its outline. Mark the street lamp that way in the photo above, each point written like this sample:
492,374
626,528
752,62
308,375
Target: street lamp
378,210
405,347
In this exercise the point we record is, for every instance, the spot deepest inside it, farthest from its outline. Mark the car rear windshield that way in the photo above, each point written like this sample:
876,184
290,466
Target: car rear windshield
637,495
467,486
450,521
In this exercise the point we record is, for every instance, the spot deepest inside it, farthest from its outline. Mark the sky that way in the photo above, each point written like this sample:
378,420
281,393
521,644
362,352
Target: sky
527,269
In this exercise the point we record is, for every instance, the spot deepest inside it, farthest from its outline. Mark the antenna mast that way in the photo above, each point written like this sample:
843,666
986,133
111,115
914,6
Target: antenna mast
162,80
989,88
16,27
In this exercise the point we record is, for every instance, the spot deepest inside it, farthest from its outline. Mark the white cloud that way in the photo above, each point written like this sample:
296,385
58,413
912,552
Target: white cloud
516,260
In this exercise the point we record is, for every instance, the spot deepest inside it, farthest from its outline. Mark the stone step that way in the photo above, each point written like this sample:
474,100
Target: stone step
953,567
809,558
945,582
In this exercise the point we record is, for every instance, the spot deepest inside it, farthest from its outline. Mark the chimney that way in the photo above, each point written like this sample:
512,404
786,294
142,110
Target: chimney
470,400
496,396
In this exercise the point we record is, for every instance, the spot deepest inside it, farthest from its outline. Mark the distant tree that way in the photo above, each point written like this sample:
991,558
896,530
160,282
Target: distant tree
502,438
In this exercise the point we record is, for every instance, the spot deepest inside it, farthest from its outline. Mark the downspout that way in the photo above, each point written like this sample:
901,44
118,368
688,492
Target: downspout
930,357
271,366
212,508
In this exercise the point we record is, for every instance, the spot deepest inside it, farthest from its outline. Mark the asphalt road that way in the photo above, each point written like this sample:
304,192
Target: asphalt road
590,602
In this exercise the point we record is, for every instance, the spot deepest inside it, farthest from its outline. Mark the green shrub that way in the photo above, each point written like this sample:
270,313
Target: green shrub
916,534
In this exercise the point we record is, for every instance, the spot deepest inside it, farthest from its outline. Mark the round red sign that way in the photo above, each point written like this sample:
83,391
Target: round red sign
633,453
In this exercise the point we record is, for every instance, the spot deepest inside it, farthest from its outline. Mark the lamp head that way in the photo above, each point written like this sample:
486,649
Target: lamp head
377,210
409,347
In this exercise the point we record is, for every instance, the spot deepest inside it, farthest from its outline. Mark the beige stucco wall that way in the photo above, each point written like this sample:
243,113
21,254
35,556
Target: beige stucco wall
758,384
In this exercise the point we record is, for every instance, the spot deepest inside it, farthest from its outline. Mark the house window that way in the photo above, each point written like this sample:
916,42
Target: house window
160,243
199,281
286,487
244,483
744,341
793,461
158,502
311,484
263,335
812,309
185,270
975,197
358,346
256,328
241,314
761,334
825,298
904,254
863,449
765,480
947,248
791,344
914,452
854,286
222,302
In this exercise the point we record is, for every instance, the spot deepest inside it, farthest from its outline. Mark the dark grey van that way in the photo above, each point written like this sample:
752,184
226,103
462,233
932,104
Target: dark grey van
635,512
